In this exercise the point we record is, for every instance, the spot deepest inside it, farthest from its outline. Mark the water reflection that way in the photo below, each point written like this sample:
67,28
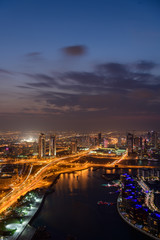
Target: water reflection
141,162
72,209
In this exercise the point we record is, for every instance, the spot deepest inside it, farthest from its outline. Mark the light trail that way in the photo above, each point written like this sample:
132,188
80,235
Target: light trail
35,181
149,196
31,181
5,197
119,160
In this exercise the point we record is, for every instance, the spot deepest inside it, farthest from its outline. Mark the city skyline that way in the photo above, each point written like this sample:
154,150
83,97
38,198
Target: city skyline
80,65
66,181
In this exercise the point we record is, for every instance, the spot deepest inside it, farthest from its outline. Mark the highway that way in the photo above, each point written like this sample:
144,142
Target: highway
149,196
35,180
49,168
32,180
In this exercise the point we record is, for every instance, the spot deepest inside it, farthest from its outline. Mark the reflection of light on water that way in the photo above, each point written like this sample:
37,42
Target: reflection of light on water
78,178
111,171
70,182
61,187
75,181
84,178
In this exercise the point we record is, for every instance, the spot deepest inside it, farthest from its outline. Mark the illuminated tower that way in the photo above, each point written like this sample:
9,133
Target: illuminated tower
105,143
74,147
52,146
154,139
130,143
136,143
141,142
42,145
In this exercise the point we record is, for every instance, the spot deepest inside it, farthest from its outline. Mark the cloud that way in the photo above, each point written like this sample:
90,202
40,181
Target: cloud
42,80
33,54
4,71
70,109
24,87
40,85
106,78
111,91
145,65
114,69
142,94
74,51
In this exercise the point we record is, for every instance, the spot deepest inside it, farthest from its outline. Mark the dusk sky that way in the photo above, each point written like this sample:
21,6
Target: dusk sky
80,65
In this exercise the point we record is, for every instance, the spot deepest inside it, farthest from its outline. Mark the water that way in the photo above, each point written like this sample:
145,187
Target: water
141,162
72,210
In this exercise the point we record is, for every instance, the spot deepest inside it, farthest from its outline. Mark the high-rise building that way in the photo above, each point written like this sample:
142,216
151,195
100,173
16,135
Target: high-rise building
152,138
149,136
141,142
42,145
136,143
74,147
52,146
130,143
35,148
105,143
99,138
119,141
145,145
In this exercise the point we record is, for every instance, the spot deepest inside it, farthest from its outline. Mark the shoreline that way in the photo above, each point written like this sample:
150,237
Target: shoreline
43,198
37,211
54,182
132,225
48,191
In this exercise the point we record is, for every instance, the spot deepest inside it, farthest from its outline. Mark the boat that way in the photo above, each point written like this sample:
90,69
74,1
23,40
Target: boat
105,203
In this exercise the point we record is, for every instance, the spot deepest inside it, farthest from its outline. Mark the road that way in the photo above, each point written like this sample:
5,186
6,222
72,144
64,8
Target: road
32,180
149,196
35,180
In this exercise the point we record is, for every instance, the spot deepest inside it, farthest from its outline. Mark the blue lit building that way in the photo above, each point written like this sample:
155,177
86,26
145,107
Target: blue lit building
154,222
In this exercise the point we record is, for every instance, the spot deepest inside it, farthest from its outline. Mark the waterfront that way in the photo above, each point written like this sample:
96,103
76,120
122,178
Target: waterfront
72,209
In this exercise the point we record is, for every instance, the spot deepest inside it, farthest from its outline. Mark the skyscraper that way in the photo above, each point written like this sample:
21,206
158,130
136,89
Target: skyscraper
152,138
74,147
130,143
99,138
42,145
52,146
119,141
105,143
136,143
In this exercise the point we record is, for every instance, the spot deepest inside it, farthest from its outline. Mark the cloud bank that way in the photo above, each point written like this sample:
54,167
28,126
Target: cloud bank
113,93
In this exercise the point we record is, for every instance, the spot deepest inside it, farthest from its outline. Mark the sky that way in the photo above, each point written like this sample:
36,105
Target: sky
79,65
